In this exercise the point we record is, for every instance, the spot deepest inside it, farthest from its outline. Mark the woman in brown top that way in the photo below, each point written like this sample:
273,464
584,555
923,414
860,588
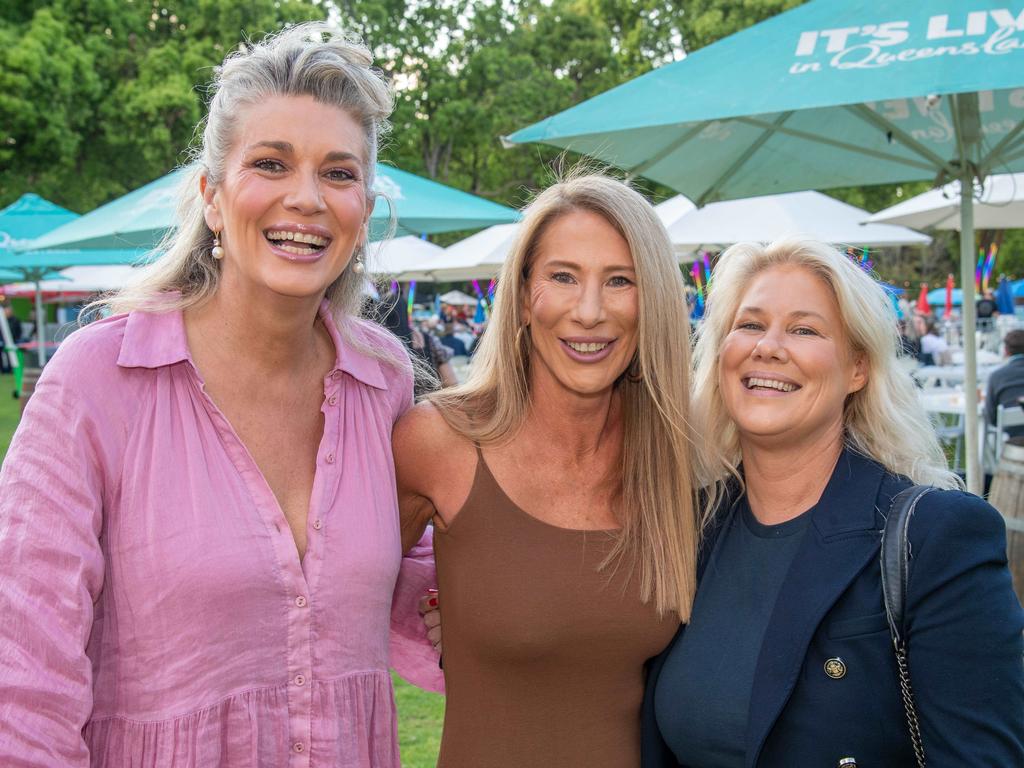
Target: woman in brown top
558,481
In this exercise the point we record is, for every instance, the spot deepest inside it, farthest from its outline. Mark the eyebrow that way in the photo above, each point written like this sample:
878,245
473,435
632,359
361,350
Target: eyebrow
576,265
288,149
796,315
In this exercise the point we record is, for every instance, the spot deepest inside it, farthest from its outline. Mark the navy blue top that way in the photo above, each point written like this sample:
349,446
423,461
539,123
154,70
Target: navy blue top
703,692
962,622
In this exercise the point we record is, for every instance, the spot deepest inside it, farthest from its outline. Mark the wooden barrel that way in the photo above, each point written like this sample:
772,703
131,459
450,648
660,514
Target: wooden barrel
1007,495
28,384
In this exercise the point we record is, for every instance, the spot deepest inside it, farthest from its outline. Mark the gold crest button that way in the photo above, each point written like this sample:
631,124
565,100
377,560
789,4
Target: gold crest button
835,668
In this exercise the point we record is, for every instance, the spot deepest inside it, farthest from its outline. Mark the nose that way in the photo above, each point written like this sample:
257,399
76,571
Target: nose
771,346
590,307
304,194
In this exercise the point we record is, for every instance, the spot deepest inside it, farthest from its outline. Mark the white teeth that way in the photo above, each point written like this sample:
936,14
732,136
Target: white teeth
781,386
589,347
293,249
299,237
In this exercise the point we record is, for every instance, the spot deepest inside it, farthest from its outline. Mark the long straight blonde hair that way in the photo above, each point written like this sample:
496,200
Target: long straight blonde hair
884,420
659,525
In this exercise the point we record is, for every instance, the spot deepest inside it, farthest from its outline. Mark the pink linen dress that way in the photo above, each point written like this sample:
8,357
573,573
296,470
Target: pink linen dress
153,607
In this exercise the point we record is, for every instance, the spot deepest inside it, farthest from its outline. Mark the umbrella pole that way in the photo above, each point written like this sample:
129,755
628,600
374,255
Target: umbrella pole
40,326
967,311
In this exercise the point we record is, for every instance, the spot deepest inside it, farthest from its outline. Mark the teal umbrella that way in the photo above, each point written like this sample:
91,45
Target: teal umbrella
834,93
27,218
141,218
937,297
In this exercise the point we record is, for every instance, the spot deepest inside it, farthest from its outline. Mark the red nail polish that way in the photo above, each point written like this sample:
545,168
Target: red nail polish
432,602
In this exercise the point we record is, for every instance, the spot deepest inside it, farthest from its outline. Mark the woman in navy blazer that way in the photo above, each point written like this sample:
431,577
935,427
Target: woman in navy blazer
811,430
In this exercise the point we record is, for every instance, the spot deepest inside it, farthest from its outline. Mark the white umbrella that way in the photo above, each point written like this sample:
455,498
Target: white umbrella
672,210
458,299
89,279
769,217
404,258
478,257
998,204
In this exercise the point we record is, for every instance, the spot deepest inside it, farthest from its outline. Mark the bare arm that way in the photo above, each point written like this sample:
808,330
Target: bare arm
414,446
434,469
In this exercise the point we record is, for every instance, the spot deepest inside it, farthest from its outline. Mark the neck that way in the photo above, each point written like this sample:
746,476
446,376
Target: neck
580,426
784,482
273,334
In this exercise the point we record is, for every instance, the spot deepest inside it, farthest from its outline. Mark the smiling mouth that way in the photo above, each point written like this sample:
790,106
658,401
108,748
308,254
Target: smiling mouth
757,383
590,348
297,243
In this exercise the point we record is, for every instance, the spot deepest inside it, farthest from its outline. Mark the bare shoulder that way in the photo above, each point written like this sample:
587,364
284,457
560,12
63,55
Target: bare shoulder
432,459
423,432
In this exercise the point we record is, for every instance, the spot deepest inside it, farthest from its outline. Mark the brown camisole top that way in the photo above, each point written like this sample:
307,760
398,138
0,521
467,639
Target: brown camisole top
543,653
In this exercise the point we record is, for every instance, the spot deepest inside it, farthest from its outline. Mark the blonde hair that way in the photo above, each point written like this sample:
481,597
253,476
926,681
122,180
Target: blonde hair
884,420
311,59
659,527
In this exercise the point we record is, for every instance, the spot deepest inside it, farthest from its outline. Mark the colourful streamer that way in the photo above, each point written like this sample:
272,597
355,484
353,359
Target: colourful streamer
699,282
491,288
412,295
990,264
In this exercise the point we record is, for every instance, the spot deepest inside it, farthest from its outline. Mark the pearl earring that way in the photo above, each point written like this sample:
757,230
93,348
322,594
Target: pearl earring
358,267
217,252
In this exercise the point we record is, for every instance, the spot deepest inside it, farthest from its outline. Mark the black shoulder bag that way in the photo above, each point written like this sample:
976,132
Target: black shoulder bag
895,567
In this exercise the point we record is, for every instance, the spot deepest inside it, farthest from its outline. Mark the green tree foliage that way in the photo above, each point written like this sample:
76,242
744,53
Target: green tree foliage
709,20
100,96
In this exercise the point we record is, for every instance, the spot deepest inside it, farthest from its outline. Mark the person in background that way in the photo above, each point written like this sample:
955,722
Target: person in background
1006,383
934,349
200,554
450,339
558,478
437,357
986,308
14,325
810,428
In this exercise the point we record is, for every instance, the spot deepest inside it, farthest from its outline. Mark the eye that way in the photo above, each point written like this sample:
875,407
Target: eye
269,165
620,281
341,175
563,277
748,325
805,331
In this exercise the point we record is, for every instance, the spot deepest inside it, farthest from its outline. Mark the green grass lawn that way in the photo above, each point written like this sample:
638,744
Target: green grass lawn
419,713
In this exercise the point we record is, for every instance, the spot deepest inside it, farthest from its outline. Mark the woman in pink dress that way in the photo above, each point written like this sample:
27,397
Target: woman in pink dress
200,555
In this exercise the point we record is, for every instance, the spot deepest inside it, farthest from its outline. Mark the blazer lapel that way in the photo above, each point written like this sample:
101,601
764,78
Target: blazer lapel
842,538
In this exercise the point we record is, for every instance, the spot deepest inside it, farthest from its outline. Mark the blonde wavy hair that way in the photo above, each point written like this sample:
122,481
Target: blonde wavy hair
659,527
312,59
884,420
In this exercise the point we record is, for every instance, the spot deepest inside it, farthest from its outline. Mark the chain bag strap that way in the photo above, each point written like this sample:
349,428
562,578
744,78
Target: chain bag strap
895,563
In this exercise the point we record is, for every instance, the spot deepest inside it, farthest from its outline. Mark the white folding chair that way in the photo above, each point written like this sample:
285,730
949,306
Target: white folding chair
1007,416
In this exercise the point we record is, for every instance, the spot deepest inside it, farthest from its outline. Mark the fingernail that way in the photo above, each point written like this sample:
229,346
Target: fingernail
432,602
431,591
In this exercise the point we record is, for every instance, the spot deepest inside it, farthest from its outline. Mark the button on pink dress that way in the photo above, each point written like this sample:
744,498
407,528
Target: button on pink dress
153,608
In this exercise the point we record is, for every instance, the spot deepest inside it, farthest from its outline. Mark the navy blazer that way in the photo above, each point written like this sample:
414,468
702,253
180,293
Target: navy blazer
964,627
